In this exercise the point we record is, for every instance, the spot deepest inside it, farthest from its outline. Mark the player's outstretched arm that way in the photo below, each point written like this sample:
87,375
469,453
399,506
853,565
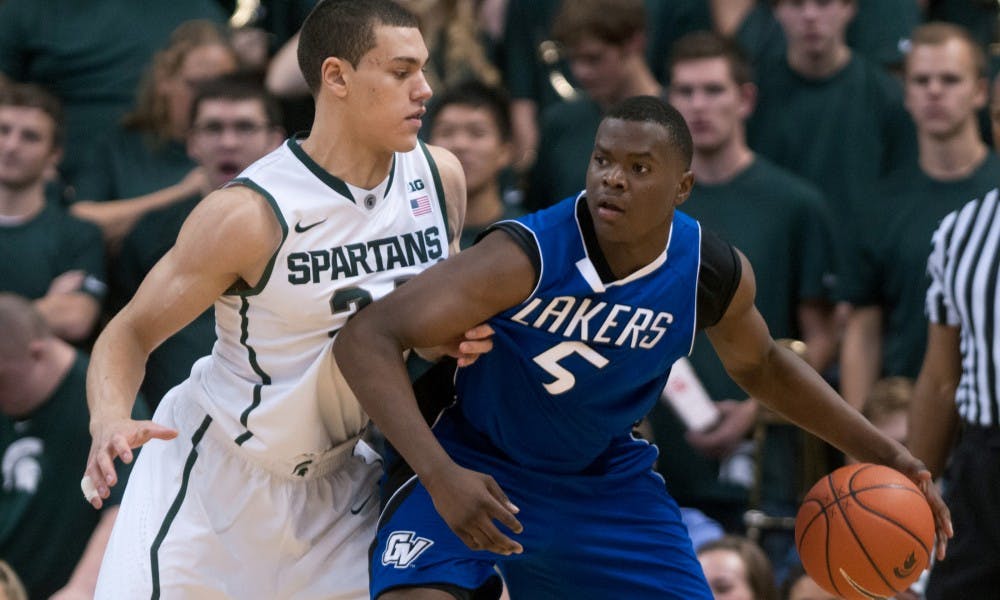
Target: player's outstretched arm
229,236
781,380
433,309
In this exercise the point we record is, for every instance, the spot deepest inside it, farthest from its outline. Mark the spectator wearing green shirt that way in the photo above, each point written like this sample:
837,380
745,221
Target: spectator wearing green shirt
143,165
52,540
605,44
827,113
536,70
91,56
886,282
50,257
472,120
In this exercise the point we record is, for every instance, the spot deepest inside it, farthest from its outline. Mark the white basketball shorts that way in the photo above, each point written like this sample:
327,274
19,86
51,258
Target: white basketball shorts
199,520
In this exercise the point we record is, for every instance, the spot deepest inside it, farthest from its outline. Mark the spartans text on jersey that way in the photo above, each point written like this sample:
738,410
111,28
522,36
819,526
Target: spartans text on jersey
351,260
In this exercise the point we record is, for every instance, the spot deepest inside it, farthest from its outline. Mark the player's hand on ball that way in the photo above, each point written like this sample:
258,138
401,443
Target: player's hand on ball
469,501
110,440
916,471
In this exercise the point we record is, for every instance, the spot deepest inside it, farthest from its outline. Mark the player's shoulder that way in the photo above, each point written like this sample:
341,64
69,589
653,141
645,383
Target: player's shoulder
452,177
271,164
241,206
447,164
561,215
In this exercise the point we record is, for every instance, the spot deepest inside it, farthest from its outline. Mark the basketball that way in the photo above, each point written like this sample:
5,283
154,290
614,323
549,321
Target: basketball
864,531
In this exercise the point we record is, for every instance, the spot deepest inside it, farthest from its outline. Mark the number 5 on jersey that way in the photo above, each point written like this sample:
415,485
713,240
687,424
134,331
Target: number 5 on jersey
564,379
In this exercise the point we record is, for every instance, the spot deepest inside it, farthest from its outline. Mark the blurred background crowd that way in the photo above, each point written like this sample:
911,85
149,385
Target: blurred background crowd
830,139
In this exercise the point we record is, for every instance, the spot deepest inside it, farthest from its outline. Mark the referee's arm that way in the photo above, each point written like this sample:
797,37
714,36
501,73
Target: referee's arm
933,416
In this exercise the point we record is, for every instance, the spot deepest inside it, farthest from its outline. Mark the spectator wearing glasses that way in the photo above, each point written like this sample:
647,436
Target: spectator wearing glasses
144,166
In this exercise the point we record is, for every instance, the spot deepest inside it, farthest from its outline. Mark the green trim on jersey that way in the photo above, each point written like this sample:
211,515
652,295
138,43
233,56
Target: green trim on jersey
332,181
252,357
175,506
440,191
266,275
392,177
335,183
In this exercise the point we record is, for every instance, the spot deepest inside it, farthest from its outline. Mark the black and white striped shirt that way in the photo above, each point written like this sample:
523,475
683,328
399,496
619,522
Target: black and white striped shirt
964,266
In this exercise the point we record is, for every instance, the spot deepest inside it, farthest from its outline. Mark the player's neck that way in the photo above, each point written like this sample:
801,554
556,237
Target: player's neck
722,164
24,201
953,158
625,258
338,151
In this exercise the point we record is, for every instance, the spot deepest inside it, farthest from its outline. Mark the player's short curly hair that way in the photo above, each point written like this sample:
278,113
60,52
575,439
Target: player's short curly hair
654,110
344,29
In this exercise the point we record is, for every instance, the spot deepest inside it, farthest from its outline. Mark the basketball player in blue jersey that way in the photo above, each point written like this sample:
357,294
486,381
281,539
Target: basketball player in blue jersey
534,469
255,482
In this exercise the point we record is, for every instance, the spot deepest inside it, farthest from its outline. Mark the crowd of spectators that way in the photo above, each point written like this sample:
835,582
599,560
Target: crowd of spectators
830,139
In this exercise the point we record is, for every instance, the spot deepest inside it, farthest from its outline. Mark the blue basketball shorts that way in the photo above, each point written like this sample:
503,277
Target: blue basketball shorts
596,536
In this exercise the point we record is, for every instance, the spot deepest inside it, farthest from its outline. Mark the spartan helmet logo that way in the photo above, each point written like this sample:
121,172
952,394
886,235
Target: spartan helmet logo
21,471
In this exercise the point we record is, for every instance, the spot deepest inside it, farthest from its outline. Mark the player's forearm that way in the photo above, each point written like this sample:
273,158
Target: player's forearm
792,388
372,365
861,355
116,370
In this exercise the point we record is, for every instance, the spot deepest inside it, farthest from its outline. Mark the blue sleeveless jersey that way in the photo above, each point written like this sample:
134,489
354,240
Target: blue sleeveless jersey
577,363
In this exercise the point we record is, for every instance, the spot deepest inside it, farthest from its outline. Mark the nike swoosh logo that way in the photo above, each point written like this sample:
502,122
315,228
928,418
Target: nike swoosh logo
299,228
908,565
361,507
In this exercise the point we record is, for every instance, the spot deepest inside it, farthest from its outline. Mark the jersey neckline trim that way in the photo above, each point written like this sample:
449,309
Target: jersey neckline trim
594,254
332,181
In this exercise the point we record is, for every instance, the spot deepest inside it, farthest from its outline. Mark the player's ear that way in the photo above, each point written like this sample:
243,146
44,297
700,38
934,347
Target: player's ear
335,73
684,188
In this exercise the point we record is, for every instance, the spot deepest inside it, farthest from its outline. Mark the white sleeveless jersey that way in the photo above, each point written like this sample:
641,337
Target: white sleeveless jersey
271,381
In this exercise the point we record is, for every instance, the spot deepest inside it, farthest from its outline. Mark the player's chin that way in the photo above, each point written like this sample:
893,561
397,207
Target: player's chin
405,142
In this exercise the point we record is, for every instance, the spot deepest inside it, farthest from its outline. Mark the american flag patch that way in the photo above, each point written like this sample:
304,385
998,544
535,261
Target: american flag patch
420,206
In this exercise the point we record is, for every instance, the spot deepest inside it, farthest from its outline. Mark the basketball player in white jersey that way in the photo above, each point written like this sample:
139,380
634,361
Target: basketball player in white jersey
255,482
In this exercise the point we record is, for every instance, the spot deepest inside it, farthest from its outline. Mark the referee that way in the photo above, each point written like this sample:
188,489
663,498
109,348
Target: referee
958,392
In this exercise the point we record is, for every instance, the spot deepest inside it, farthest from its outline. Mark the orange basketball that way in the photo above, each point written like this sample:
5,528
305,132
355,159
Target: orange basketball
864,531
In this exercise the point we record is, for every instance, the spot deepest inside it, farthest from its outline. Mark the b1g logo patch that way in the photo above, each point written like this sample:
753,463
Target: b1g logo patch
403,547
